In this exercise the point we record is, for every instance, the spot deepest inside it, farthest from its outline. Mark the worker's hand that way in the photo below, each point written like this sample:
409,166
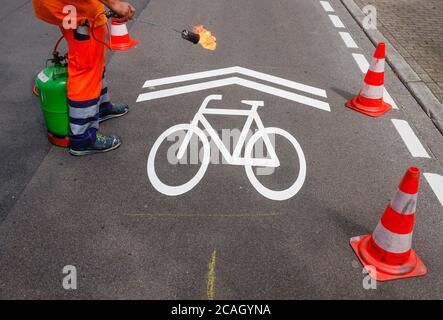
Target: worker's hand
123,9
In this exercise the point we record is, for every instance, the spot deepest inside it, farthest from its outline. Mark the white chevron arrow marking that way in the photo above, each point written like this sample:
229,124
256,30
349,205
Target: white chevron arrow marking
235,80
230,81
240,70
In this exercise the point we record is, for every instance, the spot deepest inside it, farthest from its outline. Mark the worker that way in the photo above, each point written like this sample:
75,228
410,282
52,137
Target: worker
88,96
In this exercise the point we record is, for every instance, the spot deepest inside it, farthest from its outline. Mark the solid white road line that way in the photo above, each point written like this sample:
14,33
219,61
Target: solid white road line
410,139
231,70
363,64
347,39
336,21
436,183
327,6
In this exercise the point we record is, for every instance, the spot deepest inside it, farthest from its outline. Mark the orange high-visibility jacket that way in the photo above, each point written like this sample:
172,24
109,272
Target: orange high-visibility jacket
51,11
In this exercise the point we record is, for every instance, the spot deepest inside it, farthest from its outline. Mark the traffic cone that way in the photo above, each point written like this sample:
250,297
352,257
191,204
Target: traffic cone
119,38
370,99
388,248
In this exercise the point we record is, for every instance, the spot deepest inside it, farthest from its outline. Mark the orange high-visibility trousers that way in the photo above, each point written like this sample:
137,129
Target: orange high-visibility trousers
86,88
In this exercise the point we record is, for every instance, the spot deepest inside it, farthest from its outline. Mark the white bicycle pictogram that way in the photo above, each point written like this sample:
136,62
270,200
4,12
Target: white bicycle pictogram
248,160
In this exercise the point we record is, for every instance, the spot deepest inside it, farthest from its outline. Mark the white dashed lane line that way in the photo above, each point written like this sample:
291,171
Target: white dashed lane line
410,139
363,64
347,39
405,131
327,6
436,183
387,98
336,21
360,59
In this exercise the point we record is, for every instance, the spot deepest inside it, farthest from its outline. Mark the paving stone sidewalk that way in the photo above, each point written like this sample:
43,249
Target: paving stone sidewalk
415,28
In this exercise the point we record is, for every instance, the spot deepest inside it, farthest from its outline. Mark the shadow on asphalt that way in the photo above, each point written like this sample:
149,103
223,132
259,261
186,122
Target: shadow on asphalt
345,94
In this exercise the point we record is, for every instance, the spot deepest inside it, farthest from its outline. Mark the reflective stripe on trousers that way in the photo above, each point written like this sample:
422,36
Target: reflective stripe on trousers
84,117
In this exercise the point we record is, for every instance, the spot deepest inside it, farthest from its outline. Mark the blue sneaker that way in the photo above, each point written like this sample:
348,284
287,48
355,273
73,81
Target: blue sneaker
117,110
102,144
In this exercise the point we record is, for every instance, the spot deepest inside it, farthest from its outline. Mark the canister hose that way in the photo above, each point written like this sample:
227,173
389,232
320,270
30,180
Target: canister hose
107,27
186,34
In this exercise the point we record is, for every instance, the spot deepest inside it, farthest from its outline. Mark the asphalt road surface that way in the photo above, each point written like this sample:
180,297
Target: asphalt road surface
28,42
223,239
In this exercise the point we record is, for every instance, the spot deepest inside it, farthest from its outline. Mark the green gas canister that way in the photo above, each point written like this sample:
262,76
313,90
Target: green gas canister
51,89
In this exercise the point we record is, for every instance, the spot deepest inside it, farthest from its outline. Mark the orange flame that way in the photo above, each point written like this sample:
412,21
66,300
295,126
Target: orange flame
207,40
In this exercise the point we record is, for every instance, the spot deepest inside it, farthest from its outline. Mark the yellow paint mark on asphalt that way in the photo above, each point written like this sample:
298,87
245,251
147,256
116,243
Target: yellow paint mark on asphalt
211,276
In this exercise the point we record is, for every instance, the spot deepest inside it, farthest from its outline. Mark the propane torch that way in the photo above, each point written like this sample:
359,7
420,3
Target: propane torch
185,34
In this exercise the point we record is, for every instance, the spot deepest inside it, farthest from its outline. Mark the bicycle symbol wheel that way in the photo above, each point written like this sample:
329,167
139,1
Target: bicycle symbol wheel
266,192
180,189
